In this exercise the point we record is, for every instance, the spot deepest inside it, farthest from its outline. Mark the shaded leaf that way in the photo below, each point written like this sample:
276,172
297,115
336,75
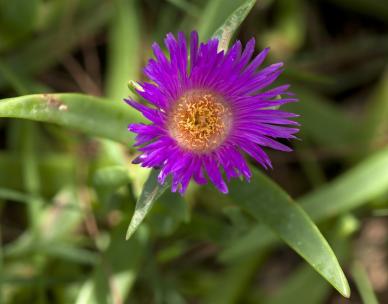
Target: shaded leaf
111,177
28,59
363,284
303,281
9,194
168,214
152,190
17,18
115,275
235,280
376,126
359,185
323,122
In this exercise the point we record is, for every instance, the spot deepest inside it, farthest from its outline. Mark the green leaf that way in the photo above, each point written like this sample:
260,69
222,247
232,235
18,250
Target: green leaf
214,15
363,284
152,190
28,59
259,236
187,7
67,212
269,204
9,194
115,275
55,172
323,122
111,177
303,281
124,49
168,214
107,180
234,281
69,253
289,26
376,125
346,192
225,32
92,115
17,18
362,183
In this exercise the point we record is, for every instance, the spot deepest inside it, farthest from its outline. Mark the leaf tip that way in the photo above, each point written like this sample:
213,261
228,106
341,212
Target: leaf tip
129,233
344,288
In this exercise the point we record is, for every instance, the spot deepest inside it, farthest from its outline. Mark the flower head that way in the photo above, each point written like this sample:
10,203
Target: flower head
207,110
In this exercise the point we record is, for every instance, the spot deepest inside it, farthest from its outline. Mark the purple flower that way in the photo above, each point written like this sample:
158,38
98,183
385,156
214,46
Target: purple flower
207,109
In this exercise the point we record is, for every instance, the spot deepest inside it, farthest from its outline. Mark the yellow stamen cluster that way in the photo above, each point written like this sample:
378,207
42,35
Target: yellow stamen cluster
200,121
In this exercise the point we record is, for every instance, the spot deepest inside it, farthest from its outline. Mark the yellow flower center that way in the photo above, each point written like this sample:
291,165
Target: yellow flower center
200,121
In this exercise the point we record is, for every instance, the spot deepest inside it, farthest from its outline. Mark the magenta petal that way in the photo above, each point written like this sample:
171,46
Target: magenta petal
244,87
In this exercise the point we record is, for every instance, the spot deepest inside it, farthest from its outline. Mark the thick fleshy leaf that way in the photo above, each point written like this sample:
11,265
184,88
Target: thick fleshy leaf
347,192
270,205
152,190
225,32
306,281
92,115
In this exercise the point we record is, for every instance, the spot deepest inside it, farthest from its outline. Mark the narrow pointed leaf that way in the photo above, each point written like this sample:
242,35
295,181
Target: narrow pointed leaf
346,192
364,286
349,190
152,190
124,48
225,32
215,13
92,115
269,204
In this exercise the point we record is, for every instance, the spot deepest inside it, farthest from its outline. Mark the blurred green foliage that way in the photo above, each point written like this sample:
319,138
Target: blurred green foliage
68,190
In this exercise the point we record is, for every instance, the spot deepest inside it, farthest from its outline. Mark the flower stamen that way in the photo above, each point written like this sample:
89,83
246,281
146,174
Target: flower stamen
200,121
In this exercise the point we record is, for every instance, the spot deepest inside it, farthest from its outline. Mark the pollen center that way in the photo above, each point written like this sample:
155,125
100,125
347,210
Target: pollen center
200,121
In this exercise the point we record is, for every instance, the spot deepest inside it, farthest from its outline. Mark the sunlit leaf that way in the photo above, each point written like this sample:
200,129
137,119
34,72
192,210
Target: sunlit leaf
269,204
217,12
346,192
225,32
124,49
92,115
